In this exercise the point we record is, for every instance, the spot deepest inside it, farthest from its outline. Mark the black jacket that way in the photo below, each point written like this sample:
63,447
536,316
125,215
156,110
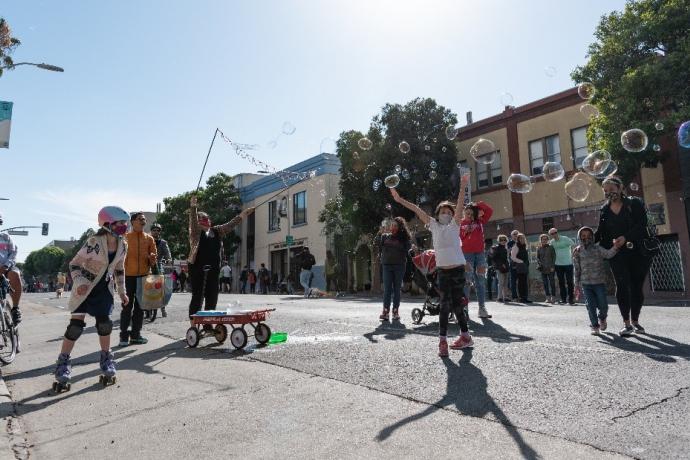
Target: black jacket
635,214
499,258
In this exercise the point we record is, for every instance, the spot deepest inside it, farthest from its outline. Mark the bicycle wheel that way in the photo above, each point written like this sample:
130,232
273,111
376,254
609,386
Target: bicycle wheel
8,339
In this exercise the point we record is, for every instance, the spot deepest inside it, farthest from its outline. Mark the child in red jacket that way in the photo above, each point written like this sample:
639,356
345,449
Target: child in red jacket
472,236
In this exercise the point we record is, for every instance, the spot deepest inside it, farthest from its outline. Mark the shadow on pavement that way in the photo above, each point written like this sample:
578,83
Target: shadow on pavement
655,347
467,390
390,331
487,328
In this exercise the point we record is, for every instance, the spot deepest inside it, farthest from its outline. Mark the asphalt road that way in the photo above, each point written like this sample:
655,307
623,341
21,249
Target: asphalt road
536,385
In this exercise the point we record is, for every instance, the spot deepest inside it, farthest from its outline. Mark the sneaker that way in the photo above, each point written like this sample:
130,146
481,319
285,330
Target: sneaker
139,341
638,328
443,348
164,313
594,331
16,316
396,316
483,313
462,342
123,343
627,331
602,324
384,315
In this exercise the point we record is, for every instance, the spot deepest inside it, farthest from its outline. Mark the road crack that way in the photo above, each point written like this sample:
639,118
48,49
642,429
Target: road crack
655,403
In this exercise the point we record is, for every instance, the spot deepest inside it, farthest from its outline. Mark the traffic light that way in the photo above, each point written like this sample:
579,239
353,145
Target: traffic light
44,229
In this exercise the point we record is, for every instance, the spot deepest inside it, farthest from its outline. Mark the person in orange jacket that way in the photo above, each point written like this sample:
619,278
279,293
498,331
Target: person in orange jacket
141,258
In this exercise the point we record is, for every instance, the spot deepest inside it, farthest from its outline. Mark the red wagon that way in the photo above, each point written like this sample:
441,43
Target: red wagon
237,320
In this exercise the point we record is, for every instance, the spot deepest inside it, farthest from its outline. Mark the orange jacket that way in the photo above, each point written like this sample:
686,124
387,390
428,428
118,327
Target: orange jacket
141,253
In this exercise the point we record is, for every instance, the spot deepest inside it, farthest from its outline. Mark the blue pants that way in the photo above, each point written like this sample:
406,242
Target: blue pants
392,281
595,298
549,281
476,260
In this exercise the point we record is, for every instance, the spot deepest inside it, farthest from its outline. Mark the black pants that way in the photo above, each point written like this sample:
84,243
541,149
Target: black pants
565,278
451,283
201,293
521,282
630,270
132,312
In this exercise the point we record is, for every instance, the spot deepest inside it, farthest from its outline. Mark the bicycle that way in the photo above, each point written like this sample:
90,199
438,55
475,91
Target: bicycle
9,336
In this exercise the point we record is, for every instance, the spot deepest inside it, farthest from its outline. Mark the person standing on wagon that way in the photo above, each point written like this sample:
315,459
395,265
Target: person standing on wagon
141,257
206,246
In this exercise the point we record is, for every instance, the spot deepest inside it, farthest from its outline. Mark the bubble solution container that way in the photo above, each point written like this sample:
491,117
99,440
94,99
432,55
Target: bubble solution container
278,337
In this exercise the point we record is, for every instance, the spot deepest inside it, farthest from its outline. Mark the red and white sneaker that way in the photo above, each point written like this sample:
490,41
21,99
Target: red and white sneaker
462,342
384,315
443,348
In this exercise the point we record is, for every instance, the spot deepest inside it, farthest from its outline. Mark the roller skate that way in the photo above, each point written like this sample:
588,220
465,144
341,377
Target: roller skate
63,372
108,368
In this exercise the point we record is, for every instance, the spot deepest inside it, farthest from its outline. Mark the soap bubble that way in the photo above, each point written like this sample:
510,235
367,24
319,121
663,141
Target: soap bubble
377,184
506,99
322,193
389,207
355,206
577,188
397,169
451,132
327,145
432,174
364,143
444,149
550,71
629,245
568,218
427,147
656,148
659,195
404,147
608,167
684,135
272,144
433,164
634,140
406,174
633,186
519,183
355,155
483,151
659,126
589,111
586,90
458,165
596,162
434,140
288,128
392,181
553,171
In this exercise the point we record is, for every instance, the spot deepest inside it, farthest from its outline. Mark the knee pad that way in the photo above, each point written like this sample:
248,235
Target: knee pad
74,329
104,326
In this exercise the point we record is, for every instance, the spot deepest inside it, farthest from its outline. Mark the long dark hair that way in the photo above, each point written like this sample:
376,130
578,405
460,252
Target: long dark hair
403,231
475,210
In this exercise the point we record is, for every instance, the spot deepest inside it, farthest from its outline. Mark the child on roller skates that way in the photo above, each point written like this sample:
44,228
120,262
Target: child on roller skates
450,264
95,270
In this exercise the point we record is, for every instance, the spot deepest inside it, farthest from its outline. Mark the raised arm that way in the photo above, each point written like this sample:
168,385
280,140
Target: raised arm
225,228
485,212
421,215
464,180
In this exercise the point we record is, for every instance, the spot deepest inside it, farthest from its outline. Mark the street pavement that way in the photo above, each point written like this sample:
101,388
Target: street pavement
344,385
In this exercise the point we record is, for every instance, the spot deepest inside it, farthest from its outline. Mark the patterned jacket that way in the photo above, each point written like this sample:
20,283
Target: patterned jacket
8,251
195,231
91,263
589,266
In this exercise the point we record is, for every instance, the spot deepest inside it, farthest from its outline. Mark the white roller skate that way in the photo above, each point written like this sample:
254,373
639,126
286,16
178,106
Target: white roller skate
63,372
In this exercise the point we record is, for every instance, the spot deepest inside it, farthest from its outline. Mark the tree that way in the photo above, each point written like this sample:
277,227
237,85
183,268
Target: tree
640,66
7,44
45,261
219,199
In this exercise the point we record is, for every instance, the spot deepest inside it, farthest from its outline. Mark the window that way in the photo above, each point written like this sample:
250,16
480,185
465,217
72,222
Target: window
543,150
273,217
299,208
491,174
578,137
547,224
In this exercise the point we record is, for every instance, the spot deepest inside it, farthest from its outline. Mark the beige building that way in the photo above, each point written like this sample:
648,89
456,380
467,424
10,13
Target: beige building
287,209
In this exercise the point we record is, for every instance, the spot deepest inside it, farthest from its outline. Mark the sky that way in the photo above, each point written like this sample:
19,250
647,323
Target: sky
146,83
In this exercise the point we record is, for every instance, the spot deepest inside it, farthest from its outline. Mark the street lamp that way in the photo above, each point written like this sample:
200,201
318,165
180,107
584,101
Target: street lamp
44,66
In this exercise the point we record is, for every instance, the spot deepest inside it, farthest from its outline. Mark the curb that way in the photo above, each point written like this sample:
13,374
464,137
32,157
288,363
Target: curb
11,432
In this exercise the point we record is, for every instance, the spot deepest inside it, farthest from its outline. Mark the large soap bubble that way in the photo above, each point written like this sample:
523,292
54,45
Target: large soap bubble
634,140
589,111
577,188
506,99
608,167
519,183
451,132
288,128
364,143
392,181
404,147
596,162
483,151
684,135
586,90
553,171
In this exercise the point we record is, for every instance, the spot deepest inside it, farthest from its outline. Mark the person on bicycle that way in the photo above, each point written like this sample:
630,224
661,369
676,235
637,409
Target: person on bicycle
8,267
97,268
206,247
164,256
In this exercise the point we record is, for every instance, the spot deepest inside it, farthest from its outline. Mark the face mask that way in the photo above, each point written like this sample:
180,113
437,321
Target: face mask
612,196
205,222
444,219
119,230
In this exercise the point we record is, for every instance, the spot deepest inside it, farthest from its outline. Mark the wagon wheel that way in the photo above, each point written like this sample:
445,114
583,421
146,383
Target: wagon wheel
417,315
192,337
238,338
262,333
220,332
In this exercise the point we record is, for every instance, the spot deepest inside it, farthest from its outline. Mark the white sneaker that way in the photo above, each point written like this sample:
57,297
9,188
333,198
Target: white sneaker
483,313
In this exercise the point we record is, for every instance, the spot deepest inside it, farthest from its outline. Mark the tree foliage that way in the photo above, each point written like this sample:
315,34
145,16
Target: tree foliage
640,66
8,44
45,261
219,199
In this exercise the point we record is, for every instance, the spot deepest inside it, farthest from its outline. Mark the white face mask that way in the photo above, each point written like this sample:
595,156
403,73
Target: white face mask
445,219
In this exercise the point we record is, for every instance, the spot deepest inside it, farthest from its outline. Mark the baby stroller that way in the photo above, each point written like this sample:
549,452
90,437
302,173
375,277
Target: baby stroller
425,276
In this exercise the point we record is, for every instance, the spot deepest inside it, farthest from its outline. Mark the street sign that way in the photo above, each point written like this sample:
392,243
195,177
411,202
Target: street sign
289,240
18,232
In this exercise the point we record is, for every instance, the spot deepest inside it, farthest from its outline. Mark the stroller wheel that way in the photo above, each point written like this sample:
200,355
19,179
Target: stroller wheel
417,315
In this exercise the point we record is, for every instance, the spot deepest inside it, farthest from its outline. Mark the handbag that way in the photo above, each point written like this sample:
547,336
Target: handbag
154,291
